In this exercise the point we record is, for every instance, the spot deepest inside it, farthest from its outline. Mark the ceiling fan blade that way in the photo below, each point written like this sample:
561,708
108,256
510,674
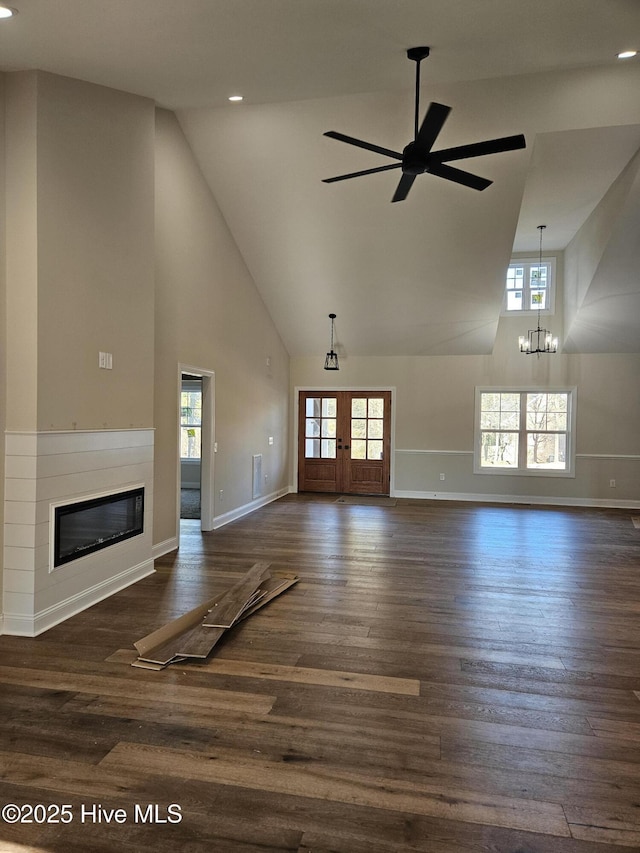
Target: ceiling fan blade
478,149
402,190
350,140
431,126
365,172
460,177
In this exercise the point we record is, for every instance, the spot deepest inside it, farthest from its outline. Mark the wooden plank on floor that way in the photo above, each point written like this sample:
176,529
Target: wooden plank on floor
153,643
225,612
200,640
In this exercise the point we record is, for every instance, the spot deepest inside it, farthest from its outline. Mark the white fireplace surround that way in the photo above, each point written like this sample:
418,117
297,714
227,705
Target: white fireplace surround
46,469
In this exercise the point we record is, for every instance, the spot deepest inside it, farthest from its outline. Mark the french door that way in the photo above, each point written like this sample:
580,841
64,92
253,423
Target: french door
344,442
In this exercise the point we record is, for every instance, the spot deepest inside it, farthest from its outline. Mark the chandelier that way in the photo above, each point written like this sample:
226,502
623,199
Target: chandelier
331,361
538,340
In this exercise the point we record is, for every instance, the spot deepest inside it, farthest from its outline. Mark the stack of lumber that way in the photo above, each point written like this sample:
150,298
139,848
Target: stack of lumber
194,635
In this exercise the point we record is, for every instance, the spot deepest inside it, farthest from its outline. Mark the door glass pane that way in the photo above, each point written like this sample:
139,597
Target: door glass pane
312,448
376,407
313,407
312,427
359,407
329,407
374,450
328,448
328,427
359,448
375,430
358,429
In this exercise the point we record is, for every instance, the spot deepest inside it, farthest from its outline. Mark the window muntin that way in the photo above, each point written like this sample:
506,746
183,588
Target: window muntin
524,431
530,286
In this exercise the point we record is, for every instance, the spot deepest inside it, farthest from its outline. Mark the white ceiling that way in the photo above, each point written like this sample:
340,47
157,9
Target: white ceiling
423,276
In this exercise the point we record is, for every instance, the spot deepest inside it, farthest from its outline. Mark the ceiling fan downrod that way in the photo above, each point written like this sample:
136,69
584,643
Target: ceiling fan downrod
417,54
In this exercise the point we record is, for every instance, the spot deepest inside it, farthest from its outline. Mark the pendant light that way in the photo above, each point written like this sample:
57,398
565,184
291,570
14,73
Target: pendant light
538,340
331,361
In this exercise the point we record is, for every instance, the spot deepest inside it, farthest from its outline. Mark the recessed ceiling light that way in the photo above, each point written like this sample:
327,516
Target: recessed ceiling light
235,97
7,12
627,54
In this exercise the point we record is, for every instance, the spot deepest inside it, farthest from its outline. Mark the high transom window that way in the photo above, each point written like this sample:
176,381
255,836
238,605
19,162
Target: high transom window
530,286
524,431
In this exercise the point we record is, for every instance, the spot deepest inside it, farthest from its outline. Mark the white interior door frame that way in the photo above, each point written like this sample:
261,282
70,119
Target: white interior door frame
207,445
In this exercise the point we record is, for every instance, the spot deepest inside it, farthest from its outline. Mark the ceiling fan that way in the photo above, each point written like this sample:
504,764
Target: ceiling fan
418,158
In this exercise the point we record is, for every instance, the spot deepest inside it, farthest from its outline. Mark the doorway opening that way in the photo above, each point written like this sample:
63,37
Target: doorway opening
190,446
195,451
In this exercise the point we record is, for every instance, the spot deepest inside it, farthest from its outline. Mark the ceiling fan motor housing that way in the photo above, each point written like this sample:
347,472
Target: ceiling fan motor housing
412,162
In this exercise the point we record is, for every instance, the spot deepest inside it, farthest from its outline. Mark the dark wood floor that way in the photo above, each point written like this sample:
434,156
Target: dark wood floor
449,678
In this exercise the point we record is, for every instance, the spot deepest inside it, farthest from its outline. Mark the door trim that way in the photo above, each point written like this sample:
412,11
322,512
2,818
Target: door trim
207,446
332,388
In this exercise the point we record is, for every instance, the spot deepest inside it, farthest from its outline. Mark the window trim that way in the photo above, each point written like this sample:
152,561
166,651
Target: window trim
570,452
528,312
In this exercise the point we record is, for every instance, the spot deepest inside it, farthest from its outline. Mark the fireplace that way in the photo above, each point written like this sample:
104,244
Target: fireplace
86,526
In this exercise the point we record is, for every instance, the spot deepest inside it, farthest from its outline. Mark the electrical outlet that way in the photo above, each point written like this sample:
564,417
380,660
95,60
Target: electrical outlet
220,494
612,484
442,477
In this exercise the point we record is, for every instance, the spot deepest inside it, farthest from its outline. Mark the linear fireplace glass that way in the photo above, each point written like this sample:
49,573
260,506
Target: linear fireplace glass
84,527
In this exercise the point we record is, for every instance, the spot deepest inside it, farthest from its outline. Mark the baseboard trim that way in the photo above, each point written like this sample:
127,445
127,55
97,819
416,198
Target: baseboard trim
234,514
31,626
165,547
517,499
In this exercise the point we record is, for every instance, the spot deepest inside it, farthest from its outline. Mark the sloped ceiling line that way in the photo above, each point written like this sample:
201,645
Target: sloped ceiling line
602,286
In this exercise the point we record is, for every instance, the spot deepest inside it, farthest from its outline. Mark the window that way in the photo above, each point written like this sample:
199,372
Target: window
525,431
530,286
190,419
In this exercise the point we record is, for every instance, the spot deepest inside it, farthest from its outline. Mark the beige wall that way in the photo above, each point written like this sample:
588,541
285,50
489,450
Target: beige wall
434,417
79,255
95,256
209,315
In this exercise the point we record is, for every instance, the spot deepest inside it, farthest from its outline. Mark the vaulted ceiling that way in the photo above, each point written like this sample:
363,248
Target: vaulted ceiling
425,275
